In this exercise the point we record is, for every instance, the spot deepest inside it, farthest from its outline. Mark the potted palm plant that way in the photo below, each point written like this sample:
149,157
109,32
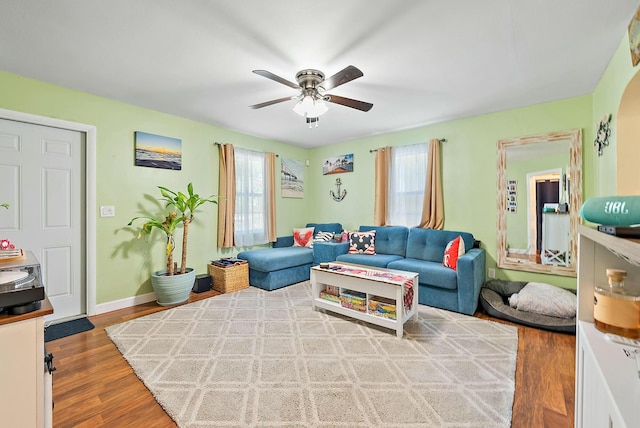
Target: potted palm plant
173,285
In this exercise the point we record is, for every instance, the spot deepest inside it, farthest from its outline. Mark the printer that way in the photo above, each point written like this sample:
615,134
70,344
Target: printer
21,287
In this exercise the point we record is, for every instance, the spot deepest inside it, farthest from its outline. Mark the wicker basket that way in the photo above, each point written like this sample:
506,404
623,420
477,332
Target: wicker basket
230,278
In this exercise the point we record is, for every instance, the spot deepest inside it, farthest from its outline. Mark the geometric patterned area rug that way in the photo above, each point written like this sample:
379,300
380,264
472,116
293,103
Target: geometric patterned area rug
255,358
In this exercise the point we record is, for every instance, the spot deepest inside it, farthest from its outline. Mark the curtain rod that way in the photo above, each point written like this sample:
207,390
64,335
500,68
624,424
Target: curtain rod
442,140
218,144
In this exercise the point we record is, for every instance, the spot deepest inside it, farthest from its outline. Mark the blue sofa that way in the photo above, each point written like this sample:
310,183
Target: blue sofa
421,250
283,264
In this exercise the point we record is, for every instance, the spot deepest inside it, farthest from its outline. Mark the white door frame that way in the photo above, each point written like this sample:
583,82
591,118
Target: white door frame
90,183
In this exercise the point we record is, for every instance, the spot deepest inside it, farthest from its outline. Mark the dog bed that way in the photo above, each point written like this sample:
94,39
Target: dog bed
494,297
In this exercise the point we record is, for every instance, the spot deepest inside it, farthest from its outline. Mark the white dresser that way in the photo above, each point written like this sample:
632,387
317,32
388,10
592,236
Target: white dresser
607,382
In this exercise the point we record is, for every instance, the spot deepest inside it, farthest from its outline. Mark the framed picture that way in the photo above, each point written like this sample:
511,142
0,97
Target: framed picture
156,151
634,38
292,178
337,165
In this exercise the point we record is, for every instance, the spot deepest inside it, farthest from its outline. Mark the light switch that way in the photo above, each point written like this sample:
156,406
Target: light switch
107,211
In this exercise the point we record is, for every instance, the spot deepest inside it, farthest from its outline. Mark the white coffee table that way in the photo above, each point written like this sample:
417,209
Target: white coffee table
372,281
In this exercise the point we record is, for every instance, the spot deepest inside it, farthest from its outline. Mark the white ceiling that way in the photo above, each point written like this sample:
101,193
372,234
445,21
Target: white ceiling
423,61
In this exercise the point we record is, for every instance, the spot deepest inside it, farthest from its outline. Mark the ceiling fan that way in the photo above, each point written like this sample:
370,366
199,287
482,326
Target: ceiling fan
312,96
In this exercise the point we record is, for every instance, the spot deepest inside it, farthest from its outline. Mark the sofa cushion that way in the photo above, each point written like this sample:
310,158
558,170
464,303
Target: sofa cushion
429,244
378,260
303,237
324,252
389,239
362,242
272,259
432,274
453,250
325,227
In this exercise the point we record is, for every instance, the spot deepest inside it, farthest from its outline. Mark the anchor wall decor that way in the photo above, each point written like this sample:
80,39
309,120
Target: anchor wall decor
339,196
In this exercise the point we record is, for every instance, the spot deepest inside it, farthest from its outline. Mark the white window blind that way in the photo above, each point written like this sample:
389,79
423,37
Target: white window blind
250,227
406,184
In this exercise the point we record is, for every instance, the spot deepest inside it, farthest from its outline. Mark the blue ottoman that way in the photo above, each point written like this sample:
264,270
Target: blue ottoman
274,268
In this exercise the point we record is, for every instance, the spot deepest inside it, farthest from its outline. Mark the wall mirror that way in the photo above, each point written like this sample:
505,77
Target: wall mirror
539,199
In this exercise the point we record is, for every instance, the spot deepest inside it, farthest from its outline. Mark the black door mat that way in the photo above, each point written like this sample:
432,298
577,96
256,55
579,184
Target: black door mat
67,328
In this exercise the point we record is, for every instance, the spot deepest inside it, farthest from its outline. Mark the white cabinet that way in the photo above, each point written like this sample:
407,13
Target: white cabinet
555,239
24,381
607,382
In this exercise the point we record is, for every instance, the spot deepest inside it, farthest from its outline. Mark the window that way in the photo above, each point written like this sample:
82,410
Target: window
250,221
407,180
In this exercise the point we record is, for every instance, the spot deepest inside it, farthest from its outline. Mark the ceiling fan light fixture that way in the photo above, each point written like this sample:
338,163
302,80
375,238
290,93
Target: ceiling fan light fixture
310,107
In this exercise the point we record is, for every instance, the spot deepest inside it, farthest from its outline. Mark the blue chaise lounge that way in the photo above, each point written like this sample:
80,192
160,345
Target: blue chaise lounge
284,264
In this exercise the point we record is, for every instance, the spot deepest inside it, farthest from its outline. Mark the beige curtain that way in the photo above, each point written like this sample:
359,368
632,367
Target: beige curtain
227,195
382,168
433,207
271,197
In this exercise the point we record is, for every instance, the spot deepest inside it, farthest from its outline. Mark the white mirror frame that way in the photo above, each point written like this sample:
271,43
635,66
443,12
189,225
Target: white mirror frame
575,200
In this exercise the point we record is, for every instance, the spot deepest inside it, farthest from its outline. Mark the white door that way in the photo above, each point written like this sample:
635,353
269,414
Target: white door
42,179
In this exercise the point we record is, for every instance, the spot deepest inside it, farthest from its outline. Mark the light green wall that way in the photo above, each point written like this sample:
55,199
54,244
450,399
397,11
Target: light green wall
124,263
469,170
606,100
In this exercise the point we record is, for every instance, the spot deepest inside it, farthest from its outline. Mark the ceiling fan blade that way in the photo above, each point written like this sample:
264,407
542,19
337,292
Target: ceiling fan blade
270,75
348,102
341,77
268,103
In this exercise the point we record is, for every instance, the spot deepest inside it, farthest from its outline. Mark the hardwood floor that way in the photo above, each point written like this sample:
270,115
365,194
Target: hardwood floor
94,386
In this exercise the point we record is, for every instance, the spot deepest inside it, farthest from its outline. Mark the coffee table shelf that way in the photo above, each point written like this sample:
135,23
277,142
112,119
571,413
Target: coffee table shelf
370,286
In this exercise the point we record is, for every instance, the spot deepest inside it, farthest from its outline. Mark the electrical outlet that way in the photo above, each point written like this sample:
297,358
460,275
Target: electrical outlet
492,273
107,211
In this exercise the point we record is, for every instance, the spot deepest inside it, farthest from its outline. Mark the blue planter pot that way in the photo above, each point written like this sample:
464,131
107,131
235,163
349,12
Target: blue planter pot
172,290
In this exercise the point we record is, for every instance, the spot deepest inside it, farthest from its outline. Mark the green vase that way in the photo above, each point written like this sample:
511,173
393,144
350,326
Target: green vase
174,289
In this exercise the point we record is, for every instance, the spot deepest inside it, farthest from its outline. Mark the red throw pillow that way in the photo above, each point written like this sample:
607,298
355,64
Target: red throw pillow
303,237
453,250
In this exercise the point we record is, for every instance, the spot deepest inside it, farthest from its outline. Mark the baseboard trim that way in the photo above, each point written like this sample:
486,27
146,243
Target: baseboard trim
125,303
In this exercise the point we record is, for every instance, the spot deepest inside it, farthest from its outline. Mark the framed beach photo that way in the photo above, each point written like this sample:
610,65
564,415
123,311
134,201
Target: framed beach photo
292,178
337,164
156,151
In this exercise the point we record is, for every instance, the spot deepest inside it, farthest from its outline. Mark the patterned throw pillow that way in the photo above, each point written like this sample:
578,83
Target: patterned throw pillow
362,242
323,237
303,237
454,249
